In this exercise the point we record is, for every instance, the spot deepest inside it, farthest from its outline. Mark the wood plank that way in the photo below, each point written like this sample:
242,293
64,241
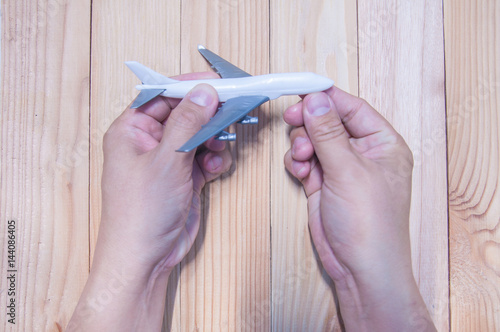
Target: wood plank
319,37
225,279
44,158
122,31
473,99
401,73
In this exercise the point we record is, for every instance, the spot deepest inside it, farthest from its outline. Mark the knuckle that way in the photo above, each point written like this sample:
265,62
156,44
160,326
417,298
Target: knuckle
363,103
293,132
297,131
399,151
187,117
109,135
116,132
357,106
287,160
105,139
328,130
405,150
410,158
360,103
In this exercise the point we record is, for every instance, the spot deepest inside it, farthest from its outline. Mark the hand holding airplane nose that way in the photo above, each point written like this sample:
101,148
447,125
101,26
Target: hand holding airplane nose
349,160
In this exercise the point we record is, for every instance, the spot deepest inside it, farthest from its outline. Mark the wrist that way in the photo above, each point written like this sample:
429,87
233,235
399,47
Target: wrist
388,301
121,298
124,291
123,244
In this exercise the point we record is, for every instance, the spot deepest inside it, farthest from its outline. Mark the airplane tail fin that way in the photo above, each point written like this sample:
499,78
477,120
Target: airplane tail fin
150,77
147,75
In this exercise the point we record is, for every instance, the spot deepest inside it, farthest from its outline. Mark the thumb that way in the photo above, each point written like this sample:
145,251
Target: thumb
197,107
326,132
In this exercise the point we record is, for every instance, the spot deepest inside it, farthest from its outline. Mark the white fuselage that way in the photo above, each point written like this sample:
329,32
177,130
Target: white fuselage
270,85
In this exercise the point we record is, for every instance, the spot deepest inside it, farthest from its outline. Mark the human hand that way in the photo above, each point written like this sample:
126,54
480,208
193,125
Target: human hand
150,193
356,173
150,207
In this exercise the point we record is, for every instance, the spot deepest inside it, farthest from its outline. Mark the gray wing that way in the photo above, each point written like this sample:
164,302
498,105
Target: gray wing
222,67
231,111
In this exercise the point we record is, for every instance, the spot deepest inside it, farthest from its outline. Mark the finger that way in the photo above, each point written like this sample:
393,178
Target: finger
214,163
299,169
359,118
159,108
309,172
215,145
375,145
293,115
173,102
321,243
186,120
327,133
313,182
133,131
302,148
147,125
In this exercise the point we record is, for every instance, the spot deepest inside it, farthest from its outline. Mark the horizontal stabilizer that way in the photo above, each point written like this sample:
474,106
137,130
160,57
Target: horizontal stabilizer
145,96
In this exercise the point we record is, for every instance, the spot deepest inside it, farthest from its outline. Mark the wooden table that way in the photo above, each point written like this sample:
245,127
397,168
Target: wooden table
433,72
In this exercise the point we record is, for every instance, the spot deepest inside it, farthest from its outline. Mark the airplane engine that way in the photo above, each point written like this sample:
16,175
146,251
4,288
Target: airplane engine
225,136
249,120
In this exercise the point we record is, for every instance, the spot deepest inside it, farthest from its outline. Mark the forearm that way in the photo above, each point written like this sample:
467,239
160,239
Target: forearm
121,295
390,302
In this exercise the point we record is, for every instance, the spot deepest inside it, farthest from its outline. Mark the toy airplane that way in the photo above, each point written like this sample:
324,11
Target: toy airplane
239,92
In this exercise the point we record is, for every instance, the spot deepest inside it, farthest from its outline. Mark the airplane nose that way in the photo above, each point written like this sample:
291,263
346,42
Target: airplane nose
325,82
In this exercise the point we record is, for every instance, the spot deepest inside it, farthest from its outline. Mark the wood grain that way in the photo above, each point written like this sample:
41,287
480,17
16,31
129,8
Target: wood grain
253,266
44,158
225,279
123,31
473,99
304,37
401,73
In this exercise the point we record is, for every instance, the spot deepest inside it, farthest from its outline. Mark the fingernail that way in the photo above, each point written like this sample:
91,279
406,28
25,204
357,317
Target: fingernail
201,96
299,141
298,167
215,163
318,105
